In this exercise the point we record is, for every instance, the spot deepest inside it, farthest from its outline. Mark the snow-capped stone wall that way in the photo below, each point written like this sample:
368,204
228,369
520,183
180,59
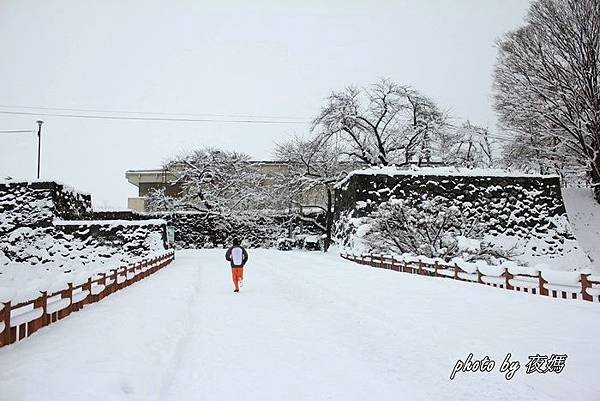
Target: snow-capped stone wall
50,224
196,230
199,230
514,208
36,204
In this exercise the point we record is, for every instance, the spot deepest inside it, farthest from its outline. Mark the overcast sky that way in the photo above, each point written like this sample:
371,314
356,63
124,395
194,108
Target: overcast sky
267,58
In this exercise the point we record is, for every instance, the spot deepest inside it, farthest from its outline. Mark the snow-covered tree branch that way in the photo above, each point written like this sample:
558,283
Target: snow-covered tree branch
547,85
383,124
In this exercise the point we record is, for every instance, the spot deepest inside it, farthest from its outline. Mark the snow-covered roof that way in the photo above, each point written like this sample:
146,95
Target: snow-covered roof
439,171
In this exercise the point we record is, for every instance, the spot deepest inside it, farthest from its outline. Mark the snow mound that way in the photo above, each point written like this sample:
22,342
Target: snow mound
584,215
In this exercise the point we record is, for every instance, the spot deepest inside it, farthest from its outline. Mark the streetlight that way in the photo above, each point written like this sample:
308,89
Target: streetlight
39,133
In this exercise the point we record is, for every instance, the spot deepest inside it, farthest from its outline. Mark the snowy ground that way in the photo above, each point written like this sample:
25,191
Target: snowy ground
584,215
306,326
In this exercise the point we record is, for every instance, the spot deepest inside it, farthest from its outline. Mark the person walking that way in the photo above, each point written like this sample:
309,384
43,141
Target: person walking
238,257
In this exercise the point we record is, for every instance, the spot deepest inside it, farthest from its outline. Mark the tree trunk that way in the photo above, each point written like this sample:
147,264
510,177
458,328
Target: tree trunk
328,221
594,133
596,176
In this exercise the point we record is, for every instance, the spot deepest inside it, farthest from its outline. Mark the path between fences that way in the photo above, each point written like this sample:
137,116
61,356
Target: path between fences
23,319
567,285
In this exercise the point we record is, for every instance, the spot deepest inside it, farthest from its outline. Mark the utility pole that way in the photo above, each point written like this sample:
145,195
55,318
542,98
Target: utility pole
39,133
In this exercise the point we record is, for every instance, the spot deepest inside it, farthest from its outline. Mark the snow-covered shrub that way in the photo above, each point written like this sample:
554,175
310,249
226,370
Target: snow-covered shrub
285,244
312,243
434,227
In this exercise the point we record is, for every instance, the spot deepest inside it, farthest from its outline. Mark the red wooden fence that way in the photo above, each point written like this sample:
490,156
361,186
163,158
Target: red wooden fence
23,319
587,287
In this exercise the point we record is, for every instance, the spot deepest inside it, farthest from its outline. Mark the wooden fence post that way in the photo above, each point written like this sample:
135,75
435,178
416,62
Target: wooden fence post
5,317
130,270
479,280
117,274
435,268
106,290
46,318
113,286
420,271
126,270
87,287
124,283
68,293
455,271
585,284
35,325
541,281
507,278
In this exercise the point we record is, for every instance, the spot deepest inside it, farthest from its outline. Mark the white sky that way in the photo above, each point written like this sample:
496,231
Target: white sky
275,58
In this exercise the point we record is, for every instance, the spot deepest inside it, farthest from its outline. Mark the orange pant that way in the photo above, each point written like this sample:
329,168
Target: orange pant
237,273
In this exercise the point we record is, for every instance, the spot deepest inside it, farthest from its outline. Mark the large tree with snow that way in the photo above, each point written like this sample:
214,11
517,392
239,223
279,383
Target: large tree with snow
314,167
215,181
382,124
547,84
225,187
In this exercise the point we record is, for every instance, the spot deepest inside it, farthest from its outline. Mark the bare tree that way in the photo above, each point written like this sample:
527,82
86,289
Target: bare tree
467,146
314,167
542,154
383,124
547,82
427,124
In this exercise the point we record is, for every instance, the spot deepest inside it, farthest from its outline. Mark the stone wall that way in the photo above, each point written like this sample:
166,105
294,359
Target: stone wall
130,238
196,229
51,224
36,204
529,207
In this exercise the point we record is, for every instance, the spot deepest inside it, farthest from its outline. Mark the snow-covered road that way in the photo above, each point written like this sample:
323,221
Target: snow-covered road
306,326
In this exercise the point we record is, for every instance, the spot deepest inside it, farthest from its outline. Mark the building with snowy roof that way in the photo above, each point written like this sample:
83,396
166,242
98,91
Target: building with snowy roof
150,179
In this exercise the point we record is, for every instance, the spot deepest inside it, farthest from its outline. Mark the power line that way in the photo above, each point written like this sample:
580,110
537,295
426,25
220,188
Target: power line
87,110
109,117
16,131
238,118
